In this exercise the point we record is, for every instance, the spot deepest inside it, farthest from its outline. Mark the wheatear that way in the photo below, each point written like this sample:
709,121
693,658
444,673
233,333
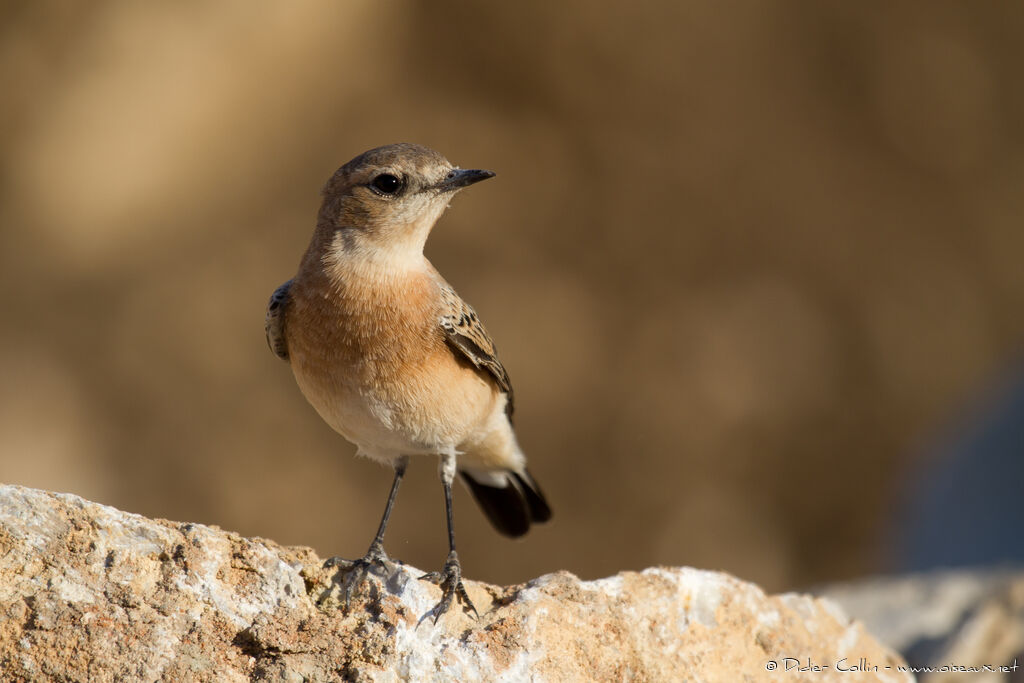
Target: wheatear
388,353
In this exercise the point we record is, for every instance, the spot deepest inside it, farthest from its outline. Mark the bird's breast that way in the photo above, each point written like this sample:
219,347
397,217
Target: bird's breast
370,356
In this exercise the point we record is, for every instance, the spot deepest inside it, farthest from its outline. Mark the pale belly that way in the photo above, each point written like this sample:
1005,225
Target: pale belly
431,408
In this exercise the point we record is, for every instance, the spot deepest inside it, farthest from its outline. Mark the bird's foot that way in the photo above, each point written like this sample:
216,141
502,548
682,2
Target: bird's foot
375,561
450,581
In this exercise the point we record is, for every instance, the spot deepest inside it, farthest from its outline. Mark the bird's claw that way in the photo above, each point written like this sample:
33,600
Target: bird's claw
450,581
375,561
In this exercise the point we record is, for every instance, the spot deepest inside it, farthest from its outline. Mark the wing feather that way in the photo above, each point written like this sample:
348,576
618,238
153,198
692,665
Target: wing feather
276,310
466,334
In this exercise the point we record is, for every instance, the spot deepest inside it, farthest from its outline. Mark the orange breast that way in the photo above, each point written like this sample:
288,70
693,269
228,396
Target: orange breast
368,352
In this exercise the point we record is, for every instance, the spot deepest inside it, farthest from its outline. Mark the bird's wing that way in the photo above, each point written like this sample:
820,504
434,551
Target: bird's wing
467,336
276,310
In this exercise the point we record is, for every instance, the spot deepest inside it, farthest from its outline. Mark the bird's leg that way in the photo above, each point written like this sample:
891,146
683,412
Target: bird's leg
376,551
375,556
450,576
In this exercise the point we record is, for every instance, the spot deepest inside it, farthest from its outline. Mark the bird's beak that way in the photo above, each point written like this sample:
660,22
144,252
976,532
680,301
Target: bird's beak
460,178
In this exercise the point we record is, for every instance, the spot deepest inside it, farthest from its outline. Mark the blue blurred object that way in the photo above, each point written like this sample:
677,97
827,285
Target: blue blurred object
964,505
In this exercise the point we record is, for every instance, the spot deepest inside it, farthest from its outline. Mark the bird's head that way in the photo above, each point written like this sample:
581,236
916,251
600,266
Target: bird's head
383,203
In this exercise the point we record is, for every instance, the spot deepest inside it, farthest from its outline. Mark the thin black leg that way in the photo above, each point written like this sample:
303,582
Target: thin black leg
450,576
448,511
378,540
375,560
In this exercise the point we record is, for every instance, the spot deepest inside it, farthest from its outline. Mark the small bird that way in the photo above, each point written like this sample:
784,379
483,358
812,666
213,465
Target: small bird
391,357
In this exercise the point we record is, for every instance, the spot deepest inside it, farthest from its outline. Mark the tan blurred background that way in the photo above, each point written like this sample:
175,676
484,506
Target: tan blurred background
741,259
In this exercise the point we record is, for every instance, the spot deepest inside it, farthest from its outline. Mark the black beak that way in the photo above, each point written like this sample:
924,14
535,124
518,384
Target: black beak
460,178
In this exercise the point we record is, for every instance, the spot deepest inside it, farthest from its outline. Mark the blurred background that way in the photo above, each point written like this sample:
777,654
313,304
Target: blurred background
754,269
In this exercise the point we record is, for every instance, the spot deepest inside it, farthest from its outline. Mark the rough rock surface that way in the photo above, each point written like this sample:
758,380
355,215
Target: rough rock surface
88,592
953,625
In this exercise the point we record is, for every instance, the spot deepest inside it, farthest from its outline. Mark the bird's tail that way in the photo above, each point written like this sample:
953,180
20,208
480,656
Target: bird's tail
511,500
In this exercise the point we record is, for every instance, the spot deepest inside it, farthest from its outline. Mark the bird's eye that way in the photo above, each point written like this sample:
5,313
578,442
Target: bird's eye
386,183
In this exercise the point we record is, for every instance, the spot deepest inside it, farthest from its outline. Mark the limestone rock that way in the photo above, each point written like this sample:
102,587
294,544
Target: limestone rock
88,592
954,625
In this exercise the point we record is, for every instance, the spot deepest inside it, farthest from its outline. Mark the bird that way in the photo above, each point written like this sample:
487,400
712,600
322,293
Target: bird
392,358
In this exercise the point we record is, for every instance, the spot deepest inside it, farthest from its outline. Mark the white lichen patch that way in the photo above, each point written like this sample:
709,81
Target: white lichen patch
34,526
700,593
71,588
610,587
848,640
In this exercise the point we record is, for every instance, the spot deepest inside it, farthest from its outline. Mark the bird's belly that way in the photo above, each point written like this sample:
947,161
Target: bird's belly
390,408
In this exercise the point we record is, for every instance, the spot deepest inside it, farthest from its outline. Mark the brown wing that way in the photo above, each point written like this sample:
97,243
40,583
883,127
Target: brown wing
466,334
274,324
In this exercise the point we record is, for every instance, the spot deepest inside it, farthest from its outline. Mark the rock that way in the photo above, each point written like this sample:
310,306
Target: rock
88,592
946,621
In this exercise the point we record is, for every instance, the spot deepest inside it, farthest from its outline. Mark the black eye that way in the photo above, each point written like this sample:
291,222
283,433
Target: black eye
386,183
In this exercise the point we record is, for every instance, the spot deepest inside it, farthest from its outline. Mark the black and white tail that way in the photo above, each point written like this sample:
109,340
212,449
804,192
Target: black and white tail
511,508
